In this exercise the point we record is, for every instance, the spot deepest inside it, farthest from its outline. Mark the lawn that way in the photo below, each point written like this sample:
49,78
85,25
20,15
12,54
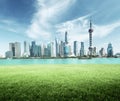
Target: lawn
60,82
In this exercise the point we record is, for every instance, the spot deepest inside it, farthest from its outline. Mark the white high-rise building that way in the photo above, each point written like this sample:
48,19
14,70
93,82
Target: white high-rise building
15,48
76,48
26,49
57,47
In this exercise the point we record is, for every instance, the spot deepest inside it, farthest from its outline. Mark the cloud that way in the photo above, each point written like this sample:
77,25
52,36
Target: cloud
12,27
78,29
102,31
42,24
8,25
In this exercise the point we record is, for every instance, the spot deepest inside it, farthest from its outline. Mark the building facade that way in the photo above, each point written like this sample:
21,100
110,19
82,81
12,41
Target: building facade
76,48
26,49
110,50
82,51
15,48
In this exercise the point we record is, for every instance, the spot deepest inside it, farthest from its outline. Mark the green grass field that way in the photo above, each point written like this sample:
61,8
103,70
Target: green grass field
60,83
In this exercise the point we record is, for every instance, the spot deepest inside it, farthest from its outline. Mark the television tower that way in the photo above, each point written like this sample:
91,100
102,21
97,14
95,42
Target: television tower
90,38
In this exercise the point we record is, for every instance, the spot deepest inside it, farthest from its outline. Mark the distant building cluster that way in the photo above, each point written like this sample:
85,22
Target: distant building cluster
53,49
58,49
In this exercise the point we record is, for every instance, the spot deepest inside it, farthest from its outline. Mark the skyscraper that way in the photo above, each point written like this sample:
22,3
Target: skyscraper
66,50
61,47
82,49
102,52
12,48
43,46
94,51
50,48
57,47
109,50
18,49
15,48
32,49
67,47
9,54
35,50
76,49
66,37
90,38
26,49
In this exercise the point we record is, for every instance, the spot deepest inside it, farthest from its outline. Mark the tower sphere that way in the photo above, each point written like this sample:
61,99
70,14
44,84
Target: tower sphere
90,30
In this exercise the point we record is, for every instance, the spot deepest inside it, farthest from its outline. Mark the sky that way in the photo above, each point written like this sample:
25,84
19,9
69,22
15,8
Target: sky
45,20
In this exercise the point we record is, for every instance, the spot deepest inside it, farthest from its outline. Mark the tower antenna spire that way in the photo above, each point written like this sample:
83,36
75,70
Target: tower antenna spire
90,23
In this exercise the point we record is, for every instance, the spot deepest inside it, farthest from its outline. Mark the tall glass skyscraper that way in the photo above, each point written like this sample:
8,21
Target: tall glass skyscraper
82,49
76,48
32,49
57,47
61,49
109,50
26,49
67,47
12,48
35,50
66,37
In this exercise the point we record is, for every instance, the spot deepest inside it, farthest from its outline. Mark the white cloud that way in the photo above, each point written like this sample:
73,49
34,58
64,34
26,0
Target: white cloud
8,22
43,20
102,31
78,29
11,26
43,26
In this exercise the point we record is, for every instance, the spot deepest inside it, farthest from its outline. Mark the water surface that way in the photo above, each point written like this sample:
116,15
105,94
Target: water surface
60,61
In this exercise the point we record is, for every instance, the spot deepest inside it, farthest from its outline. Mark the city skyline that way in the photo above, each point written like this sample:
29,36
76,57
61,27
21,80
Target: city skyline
43,21
58,49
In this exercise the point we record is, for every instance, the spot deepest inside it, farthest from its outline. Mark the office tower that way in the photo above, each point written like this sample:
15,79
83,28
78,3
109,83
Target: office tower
12,48
9,54
26,49
39,50
57,47
102,52
94,51
82,49
67,47
110,50
32,49
46,51
76,48
43,46
18,49
15,48
90,38
66,50
35,50
66,37
50,48
61,49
